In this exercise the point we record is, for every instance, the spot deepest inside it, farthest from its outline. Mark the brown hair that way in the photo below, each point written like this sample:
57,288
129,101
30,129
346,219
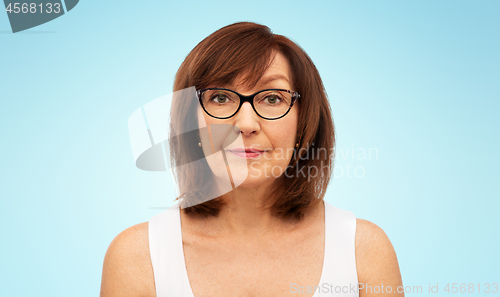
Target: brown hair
247,48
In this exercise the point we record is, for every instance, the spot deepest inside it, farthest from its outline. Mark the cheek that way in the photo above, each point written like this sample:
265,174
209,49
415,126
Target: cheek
283,137
202,120
288,129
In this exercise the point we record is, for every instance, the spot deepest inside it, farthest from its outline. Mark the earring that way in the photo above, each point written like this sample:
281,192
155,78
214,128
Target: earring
297,145
199,144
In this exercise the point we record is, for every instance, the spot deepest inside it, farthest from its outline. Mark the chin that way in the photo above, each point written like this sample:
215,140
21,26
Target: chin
255,180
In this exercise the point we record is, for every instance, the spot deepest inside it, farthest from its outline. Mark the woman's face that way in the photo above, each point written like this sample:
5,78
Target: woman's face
257,150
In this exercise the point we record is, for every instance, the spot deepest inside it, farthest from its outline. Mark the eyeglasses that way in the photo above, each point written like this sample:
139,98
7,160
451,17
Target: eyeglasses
269,104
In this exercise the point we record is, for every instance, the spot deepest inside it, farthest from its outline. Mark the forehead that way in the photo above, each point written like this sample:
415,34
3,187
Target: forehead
278,73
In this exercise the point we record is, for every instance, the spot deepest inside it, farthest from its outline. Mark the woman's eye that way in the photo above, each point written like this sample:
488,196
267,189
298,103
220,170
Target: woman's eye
221,99
273,99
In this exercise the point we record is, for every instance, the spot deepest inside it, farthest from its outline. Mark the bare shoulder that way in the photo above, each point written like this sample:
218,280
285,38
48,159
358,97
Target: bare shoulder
376,260
127,268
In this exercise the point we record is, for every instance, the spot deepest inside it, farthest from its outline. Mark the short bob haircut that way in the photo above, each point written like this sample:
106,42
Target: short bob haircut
248,49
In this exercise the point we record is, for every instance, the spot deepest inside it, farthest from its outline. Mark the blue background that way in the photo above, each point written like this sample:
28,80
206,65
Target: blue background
417,80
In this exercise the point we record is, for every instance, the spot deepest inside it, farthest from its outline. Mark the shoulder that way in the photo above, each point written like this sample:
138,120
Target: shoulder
370,237
376,260
127,268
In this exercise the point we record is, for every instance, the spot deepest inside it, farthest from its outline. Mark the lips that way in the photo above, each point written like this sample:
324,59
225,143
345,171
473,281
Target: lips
247,153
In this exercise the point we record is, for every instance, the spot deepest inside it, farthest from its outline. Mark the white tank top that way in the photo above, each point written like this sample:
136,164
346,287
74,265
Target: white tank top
338,278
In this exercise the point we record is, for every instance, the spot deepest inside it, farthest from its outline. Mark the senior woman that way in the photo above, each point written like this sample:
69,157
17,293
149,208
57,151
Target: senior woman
269,233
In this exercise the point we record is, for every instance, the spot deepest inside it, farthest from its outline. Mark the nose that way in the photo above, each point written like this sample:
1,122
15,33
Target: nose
246,120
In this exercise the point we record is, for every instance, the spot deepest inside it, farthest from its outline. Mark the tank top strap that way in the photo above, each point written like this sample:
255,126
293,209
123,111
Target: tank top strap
339,273
167,256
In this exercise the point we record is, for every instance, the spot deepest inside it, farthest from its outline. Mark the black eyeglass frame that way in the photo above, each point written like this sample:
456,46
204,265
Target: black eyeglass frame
248,99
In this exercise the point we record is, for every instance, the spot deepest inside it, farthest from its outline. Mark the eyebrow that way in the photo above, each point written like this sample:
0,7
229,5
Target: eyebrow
270,78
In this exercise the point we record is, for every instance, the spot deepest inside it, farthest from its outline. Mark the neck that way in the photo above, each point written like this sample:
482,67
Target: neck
245,214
